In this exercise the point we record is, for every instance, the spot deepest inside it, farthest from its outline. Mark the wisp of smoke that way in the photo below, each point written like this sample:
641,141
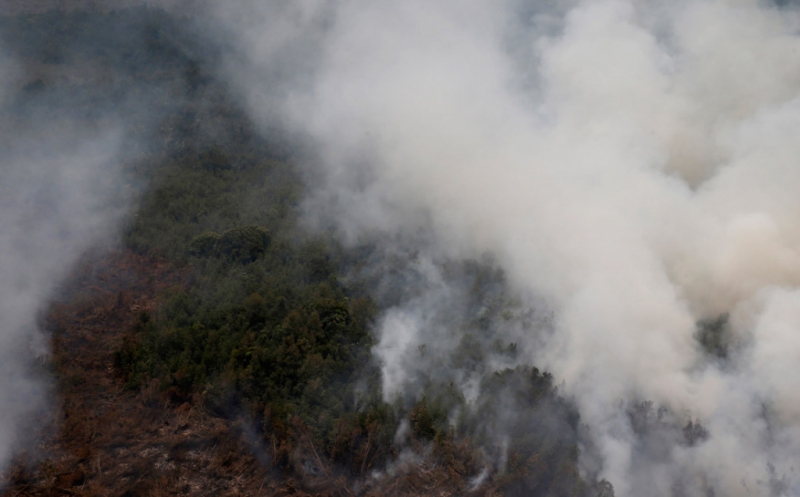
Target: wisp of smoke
60,194
633,164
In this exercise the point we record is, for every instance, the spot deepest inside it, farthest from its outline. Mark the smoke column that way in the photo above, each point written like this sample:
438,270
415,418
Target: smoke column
634,165
61,193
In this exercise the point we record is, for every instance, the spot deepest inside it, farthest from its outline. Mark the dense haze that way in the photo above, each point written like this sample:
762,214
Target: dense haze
631,165
61,195
65,140
625,172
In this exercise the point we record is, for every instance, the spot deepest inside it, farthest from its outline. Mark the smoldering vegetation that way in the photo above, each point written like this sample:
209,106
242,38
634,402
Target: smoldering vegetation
76,118
454,362
120,134
630,165
62,193
458,247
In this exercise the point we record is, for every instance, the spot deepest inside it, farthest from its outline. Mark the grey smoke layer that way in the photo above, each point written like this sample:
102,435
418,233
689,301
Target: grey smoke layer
635,165
60,194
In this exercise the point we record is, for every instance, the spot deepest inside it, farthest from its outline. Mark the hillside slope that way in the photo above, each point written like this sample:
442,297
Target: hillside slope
217,347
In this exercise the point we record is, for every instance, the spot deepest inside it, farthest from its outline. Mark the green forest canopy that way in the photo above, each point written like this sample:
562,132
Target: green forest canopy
265,323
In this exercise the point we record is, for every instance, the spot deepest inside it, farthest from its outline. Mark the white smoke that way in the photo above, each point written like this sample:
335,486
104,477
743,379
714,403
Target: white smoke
60,194
633,164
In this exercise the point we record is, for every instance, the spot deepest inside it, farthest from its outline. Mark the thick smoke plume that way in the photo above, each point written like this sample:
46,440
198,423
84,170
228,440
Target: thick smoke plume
632,165
61,193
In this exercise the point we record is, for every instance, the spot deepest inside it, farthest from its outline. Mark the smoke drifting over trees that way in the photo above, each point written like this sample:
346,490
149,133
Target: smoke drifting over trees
605,190
631,165
73,122
61,195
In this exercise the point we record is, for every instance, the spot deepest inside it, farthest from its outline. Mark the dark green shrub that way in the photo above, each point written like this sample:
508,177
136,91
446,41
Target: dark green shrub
243,243
203,244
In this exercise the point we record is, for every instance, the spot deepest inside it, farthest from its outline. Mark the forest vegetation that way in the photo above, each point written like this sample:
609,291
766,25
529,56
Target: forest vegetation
260,327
